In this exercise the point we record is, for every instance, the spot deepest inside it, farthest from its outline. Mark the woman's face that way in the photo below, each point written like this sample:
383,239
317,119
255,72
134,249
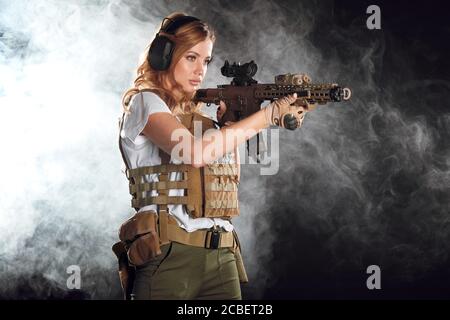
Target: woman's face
191,68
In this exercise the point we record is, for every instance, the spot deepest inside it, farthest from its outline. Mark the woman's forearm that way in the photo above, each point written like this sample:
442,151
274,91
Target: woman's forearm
216,143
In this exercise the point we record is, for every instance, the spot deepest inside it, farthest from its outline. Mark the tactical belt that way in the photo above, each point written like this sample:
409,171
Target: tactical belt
213,238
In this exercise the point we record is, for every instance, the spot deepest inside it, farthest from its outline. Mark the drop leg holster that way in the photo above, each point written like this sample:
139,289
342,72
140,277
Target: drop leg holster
126,271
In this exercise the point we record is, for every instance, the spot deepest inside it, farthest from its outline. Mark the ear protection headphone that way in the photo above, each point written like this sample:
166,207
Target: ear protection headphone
161,49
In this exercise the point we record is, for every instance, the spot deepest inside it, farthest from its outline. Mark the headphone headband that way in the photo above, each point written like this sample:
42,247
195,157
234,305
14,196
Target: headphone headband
176,23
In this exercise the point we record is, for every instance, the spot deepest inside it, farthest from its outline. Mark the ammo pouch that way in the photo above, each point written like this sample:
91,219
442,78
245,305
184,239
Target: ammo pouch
140,237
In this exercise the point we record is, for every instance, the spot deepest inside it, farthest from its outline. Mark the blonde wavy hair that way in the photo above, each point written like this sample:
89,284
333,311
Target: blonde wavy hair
184,38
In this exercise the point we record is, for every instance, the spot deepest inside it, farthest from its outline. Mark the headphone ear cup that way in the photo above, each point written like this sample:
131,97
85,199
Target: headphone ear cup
160,53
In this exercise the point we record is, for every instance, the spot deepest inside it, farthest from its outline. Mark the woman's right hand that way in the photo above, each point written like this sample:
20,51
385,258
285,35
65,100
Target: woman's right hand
281,113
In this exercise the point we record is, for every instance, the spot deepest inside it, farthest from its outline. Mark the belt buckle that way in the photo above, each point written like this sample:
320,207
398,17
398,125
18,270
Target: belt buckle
214,239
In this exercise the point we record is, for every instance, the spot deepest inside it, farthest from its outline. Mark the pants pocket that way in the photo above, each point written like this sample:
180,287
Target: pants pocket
153,264
145,273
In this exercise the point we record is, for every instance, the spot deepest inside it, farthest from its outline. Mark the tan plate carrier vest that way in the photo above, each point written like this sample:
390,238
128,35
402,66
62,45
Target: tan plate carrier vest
210,191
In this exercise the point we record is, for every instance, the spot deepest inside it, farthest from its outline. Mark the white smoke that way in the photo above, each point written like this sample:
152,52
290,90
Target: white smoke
63,68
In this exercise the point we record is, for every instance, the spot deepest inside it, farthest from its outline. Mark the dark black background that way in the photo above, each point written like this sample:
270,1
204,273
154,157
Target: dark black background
417,35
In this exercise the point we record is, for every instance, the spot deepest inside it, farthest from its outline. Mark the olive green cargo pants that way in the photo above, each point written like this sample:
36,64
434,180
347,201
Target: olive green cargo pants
187,272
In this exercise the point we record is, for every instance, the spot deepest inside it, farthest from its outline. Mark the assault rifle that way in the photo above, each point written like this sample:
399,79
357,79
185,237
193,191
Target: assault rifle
245,95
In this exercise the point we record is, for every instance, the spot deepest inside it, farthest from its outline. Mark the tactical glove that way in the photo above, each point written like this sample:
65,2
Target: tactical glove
281,113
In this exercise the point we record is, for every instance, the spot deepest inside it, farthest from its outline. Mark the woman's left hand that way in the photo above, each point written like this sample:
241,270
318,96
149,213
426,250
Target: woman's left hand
221,110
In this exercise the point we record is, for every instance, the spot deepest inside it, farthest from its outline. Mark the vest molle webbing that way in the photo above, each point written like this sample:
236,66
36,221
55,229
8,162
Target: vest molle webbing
210,191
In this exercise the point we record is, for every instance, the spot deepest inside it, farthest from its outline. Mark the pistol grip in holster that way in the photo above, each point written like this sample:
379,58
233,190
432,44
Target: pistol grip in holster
126,271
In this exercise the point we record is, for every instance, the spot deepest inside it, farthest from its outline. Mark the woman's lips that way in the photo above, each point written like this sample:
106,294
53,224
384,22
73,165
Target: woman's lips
194,82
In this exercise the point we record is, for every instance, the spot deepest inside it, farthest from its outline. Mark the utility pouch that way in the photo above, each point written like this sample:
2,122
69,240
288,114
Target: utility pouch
140,237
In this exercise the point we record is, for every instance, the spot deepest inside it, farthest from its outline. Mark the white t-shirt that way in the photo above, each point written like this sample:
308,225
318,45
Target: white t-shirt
139,151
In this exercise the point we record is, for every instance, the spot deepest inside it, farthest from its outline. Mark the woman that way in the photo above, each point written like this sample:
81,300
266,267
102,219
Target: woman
181,242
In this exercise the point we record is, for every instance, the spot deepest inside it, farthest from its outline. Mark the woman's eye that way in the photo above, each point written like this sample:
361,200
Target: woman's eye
191,58
207,62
